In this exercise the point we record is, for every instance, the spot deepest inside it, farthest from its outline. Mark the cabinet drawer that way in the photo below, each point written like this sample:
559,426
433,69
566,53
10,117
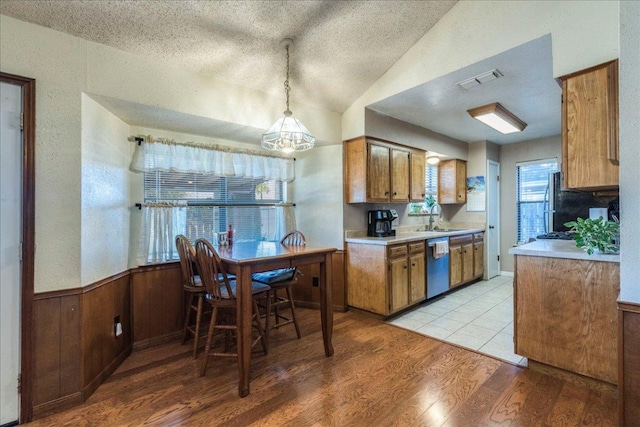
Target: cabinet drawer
397,251
416,247
460,240
478,237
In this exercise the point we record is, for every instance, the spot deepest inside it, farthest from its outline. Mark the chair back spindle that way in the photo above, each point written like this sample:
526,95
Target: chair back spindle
212,272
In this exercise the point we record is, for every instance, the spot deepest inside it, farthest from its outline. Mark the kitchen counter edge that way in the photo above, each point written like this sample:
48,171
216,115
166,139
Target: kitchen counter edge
410,237
560,249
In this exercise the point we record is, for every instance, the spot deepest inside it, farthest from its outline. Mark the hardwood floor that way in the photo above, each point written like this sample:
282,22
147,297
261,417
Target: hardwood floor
380,375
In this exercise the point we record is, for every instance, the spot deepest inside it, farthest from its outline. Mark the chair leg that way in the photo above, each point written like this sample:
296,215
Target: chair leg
185,330
196,335
293,311
268,314
263,336
207,348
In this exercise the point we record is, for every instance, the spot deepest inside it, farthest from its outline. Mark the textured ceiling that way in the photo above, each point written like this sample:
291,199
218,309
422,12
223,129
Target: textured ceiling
341,47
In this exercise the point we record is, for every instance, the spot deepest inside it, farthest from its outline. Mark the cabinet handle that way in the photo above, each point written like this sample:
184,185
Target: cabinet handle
423,194
405,266
386,193
491,227
413,265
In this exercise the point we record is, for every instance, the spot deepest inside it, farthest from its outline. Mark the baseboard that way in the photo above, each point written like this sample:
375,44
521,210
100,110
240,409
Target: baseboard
57,405
506,273
106,372
152,342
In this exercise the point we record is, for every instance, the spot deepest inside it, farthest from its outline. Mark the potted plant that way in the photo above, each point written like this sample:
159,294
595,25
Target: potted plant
595,235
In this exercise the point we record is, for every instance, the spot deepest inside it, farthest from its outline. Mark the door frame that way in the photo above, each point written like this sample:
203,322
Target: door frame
497,226
28,239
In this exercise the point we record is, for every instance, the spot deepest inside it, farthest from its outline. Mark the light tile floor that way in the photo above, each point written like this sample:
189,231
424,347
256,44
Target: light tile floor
478,317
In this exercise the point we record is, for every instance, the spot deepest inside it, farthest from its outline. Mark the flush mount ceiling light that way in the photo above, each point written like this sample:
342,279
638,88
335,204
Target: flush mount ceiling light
287,134
433,160
498,117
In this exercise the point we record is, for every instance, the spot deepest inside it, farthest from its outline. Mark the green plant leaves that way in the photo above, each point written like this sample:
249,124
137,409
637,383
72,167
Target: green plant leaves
595,234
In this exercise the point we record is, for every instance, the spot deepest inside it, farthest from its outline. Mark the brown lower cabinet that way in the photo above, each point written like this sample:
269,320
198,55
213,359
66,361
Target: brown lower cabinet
466,258
566,314
385,279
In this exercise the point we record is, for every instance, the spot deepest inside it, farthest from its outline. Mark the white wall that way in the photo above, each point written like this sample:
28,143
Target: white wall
105,212
510,154
65,67
630,150
58,64
317,192
584,33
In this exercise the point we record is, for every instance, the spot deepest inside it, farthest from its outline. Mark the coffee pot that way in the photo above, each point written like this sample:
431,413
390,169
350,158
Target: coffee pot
379,223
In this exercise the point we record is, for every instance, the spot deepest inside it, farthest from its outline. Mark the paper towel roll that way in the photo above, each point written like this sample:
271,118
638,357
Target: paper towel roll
595,213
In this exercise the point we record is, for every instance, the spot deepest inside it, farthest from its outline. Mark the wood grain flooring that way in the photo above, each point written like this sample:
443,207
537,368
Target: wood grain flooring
380,375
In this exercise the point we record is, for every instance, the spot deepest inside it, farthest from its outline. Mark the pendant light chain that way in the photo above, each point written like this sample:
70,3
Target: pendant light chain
287,88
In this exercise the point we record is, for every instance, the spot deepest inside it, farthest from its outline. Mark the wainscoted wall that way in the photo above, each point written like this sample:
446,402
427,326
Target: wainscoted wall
76,348
307,295
629,363
157,304
102,350
57,354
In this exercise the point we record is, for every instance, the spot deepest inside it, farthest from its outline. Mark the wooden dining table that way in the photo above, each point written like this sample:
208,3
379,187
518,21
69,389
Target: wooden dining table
245,258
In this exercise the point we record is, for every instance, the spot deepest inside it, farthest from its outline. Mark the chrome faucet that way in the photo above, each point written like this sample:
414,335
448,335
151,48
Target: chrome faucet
431,214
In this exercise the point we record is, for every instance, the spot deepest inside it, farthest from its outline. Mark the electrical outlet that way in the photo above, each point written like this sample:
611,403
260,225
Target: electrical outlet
315,282
117,326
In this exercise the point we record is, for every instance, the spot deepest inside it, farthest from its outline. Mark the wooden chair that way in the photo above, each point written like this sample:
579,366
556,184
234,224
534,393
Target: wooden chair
221,294
282,280
194,291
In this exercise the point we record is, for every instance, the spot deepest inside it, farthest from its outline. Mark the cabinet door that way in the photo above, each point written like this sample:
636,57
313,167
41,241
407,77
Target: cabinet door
417,176
377,173
478,259
455,266
589,129
417,278
452,182
467,262
399,175
399,284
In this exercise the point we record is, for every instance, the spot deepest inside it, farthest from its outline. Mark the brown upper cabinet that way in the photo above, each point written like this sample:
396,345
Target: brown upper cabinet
380,171
590,128
452,182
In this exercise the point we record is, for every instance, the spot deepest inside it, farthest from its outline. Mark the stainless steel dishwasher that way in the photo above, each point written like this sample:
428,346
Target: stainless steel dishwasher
437,269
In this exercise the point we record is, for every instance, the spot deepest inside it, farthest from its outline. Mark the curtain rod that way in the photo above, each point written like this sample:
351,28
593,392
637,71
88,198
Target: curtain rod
242,205
150,139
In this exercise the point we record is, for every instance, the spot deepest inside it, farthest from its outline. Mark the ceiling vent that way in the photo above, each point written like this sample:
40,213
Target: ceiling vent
480,79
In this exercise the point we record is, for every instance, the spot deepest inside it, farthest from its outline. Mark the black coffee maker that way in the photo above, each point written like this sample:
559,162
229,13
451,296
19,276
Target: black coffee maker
379,224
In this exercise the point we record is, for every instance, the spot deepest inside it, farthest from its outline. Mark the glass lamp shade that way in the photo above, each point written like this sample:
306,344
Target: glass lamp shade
288,134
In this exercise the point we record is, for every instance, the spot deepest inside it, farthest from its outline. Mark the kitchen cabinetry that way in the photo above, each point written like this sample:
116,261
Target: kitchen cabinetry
379,171
466,259
590,128
452,182
478,255
385,279
566,314
418,159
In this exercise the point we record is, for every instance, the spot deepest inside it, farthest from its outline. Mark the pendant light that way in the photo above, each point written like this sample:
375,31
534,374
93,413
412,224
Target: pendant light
287,134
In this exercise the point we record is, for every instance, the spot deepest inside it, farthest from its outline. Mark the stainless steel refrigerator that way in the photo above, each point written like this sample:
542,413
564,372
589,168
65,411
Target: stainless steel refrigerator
566,205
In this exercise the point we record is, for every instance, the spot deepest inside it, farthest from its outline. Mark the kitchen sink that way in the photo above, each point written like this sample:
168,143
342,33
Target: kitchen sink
447,230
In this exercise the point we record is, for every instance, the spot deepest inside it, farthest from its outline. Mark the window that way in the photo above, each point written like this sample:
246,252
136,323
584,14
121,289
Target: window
431,181
214,202
532,180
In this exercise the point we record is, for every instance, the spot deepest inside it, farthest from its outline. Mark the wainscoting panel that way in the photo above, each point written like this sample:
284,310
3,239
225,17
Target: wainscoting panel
307,295
57,355
101,304
157,304
629,360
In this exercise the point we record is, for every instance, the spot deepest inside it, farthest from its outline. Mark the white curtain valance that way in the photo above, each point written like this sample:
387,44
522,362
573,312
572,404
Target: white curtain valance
167,155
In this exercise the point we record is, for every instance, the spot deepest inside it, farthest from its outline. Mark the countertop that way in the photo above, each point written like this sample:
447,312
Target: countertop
410,236
560,249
